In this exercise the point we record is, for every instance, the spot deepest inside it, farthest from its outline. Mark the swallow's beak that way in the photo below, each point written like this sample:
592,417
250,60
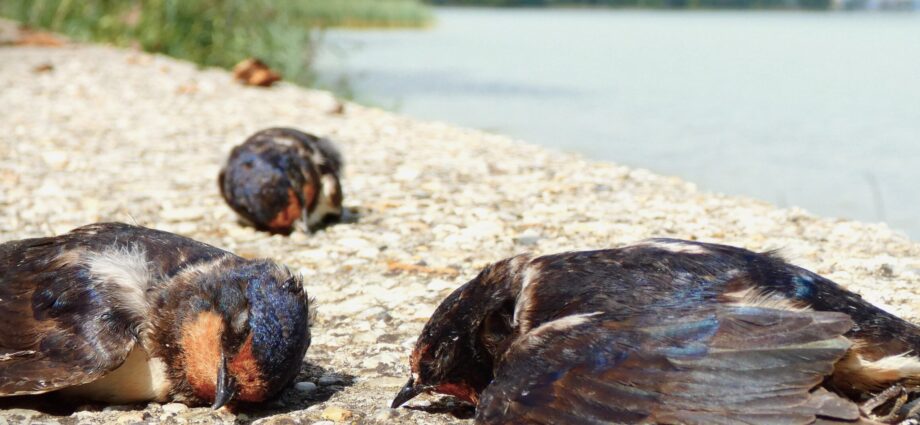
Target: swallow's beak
408,392
226,385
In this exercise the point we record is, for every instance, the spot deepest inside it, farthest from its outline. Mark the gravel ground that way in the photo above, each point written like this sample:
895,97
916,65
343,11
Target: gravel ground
108,134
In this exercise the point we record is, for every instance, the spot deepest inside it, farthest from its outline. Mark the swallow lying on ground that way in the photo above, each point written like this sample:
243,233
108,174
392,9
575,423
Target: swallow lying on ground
124,314
665,331
281,175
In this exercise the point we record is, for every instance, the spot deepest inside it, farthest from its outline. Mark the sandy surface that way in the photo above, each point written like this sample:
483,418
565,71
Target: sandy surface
109,134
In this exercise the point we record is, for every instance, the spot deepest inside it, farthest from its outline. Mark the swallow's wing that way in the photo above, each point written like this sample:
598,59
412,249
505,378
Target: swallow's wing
56,329
738,365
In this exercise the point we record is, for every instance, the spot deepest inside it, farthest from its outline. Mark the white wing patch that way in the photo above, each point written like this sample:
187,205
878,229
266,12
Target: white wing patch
535,336
124,274
523,303
877,374
753,297
324,205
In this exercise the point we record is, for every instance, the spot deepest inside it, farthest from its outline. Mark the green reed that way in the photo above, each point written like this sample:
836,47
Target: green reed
215,32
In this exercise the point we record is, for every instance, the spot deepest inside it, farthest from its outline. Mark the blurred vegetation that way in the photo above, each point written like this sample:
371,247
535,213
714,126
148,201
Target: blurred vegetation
216,32
689,4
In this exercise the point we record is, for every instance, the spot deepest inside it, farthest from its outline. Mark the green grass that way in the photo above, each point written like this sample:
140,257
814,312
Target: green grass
215,32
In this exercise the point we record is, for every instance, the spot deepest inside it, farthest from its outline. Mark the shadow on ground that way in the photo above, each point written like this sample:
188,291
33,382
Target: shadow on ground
449,405
290,400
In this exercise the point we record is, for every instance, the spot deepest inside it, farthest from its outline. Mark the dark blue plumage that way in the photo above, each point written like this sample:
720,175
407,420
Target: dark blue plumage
276,321
279,176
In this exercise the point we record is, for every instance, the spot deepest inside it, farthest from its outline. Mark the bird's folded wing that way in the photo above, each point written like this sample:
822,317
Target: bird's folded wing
55,328
720,365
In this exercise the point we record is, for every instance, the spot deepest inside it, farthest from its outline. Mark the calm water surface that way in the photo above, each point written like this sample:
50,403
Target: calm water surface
818,110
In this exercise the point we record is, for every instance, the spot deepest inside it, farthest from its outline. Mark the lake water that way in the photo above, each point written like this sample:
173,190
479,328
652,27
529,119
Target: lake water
818,110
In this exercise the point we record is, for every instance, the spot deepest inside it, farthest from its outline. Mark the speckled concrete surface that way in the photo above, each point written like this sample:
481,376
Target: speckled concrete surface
109,134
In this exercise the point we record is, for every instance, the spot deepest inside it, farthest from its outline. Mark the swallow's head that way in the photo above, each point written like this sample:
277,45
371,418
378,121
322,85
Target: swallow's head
467,333
241,332
266,186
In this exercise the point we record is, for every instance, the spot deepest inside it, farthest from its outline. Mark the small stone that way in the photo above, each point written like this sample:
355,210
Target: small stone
174,408
328,380
24,414
386,415
324,423
405,174
368,252
305,387
338,414
55,159
276,420
371,312
527,239
118,408
353,244
131,418
173,419
440,284
384,359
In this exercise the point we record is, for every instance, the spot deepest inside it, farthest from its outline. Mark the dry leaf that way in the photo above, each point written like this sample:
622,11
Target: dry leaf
338,109
254,72
45,67
28,37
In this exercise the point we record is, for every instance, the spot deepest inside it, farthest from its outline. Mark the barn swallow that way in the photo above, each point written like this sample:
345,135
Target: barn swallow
125,314
665,331
281,175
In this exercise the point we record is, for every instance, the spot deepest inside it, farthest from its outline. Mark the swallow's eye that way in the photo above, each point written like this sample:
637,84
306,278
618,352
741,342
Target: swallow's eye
292,284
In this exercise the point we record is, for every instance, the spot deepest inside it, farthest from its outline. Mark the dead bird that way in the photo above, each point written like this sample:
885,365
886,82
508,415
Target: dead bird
665,331
281,175
122,314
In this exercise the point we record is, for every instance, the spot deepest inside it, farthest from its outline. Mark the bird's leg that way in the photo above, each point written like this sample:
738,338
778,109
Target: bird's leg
303,224
881,398
894,415
911,412
903,411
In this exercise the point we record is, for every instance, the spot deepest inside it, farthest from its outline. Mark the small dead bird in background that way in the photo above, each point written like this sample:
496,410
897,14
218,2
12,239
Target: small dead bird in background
281,175
666,331
125,314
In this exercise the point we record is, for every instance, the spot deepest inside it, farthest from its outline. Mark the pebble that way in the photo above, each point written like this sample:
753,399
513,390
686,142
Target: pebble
132,418
305,387
528,239
277,420
174,408
328,380
118,408
385,415
337,414
55,159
